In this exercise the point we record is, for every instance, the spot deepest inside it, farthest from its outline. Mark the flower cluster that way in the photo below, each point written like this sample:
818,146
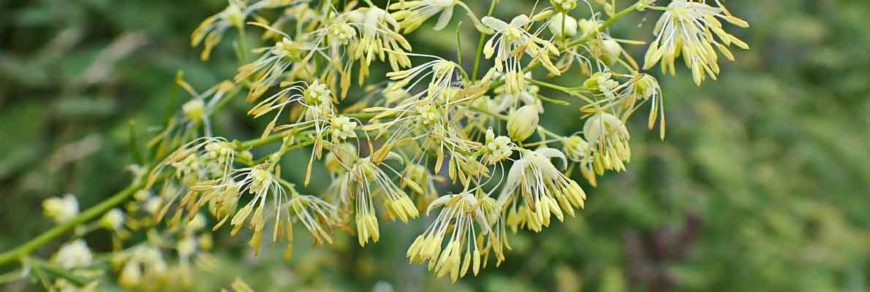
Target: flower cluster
393,144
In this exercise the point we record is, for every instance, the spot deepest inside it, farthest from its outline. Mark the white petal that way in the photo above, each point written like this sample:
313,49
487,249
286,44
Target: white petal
550,153
440,201
494,23
520,21
444,19
515,173
395,157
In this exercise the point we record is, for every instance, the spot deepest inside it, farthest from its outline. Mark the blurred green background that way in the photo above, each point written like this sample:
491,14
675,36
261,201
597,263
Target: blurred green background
763,183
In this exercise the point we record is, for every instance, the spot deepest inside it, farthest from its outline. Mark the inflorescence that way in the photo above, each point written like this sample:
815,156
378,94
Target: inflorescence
428,139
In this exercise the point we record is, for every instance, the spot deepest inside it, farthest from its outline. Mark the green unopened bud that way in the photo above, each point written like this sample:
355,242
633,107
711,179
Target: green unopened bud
194,110
542,15
575,147
497,148
599,82
113,219
246,155
646,86
61,209
563,5
522,123
317,94
563,25
288,49
342,128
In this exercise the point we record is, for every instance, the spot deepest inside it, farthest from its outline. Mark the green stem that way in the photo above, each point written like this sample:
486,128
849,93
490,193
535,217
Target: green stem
480,43
243,45
23,250
628,10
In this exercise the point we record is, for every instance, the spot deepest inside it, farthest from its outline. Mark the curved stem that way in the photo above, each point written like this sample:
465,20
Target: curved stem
480,44
88,215
243,46
605,25
22,251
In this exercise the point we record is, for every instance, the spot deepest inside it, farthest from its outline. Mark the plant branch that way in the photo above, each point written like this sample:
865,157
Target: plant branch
480,44
628,10
23,250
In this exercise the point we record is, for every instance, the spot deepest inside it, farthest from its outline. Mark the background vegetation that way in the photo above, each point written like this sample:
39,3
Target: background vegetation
762,183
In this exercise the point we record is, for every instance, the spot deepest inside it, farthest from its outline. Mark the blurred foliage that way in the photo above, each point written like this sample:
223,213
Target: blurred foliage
762,183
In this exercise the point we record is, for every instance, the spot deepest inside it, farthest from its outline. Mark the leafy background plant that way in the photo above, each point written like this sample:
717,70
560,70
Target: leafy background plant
761,184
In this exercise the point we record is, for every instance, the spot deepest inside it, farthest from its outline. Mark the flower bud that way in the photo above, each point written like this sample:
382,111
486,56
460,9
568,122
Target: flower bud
152,205
610,51
563,5
141,195
522,123
588,27
341,33
194,110
575,147
113,219
646,86
563,25
61,209
497,148
74,254
186,247
600,82
342,128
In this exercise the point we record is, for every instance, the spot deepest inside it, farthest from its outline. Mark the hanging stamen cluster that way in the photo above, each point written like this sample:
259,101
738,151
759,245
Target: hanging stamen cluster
392,144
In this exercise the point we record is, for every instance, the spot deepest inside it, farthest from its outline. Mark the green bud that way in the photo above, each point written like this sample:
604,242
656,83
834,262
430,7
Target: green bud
563,5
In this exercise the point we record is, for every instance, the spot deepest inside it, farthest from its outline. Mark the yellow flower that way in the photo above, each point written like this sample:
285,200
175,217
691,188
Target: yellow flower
421,182
511,39
646,88
260,182
380,40
609,138
412,14
272,64
199,160
360,184
693,30
315,214
212,29
535,189
440,70
463,251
